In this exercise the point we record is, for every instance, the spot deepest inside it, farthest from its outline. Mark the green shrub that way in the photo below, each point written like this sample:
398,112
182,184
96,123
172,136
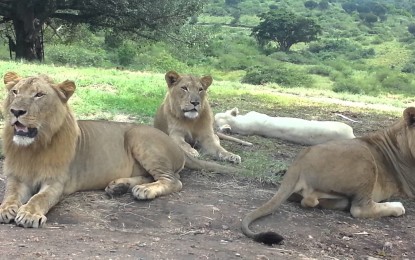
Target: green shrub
347,86
280,75
159,61
302,57
126,54
330,49
408,68
367,86
395,82
411,29
321,70
113,40
342,67
75,55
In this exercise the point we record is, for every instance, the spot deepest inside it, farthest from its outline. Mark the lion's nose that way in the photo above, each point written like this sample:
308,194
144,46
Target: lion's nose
195,103
17,112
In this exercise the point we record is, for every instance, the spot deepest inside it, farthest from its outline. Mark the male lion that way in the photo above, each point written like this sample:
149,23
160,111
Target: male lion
48,154
186,116
356,174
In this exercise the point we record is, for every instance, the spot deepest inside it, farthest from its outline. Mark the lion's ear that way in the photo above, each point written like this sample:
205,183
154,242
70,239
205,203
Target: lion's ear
67,88
409,116
11,77
171,78
206,81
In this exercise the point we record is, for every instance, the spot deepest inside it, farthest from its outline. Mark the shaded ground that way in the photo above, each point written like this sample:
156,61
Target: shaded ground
203,220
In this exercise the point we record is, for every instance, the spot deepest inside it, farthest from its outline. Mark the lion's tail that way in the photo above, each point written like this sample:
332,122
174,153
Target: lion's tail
196,164
286,189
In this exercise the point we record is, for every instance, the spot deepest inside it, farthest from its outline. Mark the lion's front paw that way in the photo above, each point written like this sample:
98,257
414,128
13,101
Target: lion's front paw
29,218
397,208
143,192
117,189
8,212
192,152
230,157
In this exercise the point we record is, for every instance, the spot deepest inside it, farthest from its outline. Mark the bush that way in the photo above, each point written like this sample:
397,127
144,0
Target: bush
411,29
347,85
321,70
280,75
323,5
395,82
162,61
349,7
294,57
310,4
364,85
75,55
113,40
368,18
330,49
126,54
408,68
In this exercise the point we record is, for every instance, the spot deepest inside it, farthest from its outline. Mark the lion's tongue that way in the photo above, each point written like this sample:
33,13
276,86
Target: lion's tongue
21,129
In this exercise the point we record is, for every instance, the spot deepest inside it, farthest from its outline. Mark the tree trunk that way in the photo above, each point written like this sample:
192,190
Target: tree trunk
284,46
28,33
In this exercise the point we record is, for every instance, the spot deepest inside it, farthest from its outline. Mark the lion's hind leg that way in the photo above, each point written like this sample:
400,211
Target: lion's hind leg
312,198
123,185
160,157
337,204
373,209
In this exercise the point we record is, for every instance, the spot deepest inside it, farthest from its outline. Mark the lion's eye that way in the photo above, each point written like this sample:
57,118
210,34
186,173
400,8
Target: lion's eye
185,88
14,91
201,89
39,94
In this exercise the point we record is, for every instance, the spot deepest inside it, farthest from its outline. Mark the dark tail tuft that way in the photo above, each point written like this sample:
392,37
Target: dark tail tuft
268,238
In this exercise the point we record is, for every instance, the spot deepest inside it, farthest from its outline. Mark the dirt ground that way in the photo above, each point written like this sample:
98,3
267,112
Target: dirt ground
203,220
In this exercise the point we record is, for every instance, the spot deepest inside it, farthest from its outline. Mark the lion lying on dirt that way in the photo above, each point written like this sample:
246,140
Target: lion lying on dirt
291,129
48,154
355,174
186,116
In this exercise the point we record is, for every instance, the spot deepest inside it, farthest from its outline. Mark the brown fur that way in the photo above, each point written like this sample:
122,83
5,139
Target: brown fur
186,116
68,155
356,174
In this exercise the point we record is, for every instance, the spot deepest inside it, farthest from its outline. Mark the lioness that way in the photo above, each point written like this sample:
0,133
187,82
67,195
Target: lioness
48,154
301,131
186,116
355,174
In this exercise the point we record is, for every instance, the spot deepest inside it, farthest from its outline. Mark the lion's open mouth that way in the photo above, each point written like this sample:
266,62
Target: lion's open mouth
22,130
191,113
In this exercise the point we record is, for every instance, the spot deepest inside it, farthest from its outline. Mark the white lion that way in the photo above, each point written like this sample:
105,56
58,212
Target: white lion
307,132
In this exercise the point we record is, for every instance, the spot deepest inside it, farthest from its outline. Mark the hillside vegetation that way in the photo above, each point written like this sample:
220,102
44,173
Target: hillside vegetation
366,47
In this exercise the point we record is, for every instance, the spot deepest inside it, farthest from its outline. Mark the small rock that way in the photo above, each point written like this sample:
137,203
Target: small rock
388,245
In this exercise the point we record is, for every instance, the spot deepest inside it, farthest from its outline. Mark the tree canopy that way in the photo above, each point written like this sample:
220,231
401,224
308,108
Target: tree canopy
285,28
146,18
